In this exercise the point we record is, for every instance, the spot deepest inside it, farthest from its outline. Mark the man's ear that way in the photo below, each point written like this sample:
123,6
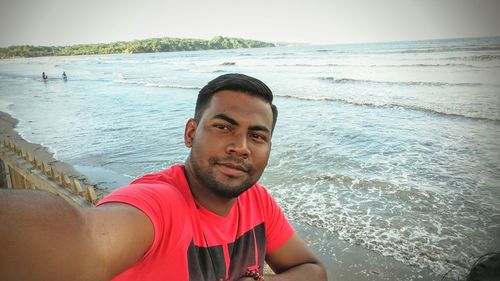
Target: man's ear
189,132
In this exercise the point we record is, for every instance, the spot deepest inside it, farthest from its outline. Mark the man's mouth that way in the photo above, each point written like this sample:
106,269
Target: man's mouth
232,169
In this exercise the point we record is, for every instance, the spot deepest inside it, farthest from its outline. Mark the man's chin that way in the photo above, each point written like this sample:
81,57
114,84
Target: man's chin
231,191
229,194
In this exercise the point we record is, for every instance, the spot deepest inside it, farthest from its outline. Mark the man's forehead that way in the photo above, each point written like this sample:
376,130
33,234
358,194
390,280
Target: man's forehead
240,104
232,97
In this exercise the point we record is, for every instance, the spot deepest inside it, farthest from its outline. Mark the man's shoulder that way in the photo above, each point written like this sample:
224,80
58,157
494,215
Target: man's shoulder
257,195
258,190
173,175
167,185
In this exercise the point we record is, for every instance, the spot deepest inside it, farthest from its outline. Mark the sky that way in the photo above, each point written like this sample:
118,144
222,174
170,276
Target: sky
69,22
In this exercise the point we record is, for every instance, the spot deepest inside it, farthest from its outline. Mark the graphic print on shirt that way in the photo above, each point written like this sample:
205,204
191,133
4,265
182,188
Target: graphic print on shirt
248,250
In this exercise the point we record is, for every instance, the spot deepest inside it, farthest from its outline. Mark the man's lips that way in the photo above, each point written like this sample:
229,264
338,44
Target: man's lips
232,169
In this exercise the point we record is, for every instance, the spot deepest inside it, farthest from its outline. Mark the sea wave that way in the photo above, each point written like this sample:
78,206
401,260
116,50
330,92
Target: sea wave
325,50
397,83
450,49
275,62
333,202
201,70
430,65
130,61
380,65
475,58
146,83
386,104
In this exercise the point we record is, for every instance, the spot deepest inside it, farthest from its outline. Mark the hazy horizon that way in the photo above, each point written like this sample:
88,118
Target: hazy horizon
64,23
284,43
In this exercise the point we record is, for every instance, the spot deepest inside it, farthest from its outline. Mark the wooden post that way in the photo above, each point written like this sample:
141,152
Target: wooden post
7,143
77,185
66,182
23,154
52,173
13,147
20,152
47,170
57,176
7,176
31,159
91,196
39,165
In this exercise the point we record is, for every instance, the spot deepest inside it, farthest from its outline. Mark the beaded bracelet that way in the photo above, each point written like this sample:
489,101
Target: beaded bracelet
254,274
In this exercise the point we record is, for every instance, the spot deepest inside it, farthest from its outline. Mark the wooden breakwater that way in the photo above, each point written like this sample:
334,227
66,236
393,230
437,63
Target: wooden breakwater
22,168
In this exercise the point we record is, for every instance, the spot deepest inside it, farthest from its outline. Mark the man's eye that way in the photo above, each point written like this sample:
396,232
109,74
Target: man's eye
221,127
257,136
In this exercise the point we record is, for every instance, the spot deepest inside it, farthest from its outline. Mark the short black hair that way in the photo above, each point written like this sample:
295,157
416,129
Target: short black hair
236,82
486,267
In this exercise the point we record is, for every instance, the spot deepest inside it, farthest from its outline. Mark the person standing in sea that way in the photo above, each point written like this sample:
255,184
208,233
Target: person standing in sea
208,219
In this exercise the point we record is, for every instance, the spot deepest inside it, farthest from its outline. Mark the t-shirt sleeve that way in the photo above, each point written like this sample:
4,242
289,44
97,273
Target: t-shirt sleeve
148,199
278,228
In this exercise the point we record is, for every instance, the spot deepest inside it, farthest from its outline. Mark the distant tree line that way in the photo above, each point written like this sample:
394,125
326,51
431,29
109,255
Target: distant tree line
131,47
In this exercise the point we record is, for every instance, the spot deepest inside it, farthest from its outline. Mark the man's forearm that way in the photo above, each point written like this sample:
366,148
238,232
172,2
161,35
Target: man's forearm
307,271
41,237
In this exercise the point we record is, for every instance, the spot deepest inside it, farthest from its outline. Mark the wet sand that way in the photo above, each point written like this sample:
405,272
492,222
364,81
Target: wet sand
347,262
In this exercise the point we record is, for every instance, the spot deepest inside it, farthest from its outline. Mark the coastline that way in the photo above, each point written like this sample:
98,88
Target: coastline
42,154
343,261
7,129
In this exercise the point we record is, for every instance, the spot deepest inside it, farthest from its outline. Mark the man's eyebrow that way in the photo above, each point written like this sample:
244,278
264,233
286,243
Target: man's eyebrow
235,123
226,118
260,128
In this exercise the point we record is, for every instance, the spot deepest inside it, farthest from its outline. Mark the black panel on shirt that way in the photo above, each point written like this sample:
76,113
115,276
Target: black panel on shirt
202,261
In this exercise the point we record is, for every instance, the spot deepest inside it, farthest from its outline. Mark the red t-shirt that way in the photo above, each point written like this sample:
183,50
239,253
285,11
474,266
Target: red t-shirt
192,243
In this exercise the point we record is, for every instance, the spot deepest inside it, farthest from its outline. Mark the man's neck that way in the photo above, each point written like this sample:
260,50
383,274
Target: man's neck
206,198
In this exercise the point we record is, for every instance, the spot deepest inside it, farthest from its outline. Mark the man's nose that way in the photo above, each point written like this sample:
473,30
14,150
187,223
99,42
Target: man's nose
239,146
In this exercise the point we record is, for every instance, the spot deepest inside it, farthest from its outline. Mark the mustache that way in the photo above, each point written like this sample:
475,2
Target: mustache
233,160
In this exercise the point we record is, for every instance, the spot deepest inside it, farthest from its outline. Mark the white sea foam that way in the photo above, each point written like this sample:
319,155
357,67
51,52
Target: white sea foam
146,83
492,113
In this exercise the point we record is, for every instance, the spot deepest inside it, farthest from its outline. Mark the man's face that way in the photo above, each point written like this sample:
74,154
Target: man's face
231,143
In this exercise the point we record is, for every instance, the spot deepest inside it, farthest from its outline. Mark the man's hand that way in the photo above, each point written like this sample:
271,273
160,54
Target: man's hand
293,261
43,237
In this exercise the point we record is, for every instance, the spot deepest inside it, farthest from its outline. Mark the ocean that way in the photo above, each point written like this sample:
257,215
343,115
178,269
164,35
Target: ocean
390,146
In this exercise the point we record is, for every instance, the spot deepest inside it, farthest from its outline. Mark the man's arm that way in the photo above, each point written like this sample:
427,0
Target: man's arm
43,237
295,261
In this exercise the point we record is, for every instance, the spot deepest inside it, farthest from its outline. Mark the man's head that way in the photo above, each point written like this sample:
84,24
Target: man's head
486,268
230,136
238,83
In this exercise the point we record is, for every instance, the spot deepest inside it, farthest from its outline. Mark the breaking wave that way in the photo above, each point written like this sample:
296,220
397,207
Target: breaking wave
387,104
146,83
397,83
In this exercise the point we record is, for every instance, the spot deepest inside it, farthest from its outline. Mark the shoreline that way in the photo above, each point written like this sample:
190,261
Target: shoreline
42,154
350,262
343,261
7,129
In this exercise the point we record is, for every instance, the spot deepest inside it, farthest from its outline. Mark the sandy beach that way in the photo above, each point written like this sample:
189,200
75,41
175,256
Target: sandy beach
7,125
7,130
344,261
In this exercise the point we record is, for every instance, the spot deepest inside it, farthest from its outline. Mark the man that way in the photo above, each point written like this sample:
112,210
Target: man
205,220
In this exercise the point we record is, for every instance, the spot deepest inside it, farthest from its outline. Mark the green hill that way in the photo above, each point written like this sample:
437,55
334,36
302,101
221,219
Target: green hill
131,47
